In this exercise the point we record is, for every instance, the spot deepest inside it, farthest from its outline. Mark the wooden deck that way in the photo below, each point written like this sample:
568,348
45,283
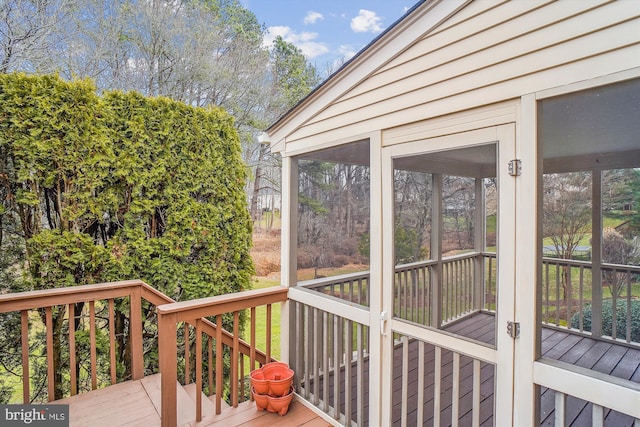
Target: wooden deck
137,403
605,357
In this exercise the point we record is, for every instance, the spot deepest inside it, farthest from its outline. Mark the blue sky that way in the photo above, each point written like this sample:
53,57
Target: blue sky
327,31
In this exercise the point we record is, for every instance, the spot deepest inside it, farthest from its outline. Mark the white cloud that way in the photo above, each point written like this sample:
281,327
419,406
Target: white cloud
312,17
367,21
347,51
305,41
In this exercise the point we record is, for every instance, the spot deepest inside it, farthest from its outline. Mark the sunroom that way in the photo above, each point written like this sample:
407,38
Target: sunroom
499,152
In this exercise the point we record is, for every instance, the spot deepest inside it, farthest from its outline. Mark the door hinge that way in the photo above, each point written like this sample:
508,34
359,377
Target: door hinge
513,329
515,167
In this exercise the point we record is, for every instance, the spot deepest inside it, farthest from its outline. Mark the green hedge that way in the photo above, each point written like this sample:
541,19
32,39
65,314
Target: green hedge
607,319
121,186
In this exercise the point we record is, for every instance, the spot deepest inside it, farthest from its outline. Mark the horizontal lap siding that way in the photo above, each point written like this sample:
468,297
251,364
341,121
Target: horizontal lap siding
487,53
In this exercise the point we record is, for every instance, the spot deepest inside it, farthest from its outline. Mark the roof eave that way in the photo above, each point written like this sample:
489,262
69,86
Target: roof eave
427,14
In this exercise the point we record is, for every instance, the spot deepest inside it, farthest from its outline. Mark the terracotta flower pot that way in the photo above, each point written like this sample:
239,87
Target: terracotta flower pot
273,378
262,400
279,376
271,387
280,405
258,382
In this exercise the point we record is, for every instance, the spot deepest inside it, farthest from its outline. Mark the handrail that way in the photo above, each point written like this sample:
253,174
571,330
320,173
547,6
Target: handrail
30,300
159,299
326,281
578,263
463,288
227,303
47,299
136,291
193,312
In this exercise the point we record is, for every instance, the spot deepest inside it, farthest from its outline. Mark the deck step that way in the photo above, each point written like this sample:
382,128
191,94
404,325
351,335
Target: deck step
186,405
208,402
224,405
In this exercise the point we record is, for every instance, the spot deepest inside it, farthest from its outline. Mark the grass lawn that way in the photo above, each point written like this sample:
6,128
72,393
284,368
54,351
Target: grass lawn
261,322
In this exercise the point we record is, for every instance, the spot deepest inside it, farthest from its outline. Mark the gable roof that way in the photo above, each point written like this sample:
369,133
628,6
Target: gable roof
417,21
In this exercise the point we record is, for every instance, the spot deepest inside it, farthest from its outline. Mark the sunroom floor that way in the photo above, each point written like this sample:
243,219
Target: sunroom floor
579,350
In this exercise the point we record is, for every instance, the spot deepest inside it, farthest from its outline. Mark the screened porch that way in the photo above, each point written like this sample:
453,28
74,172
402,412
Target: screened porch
446,215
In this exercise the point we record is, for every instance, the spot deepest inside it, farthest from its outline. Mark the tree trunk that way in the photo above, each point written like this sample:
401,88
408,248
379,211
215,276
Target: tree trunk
255,194
257,182
123,352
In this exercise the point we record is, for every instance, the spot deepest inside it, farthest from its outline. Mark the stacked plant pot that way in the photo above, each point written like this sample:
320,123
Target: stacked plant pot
271,387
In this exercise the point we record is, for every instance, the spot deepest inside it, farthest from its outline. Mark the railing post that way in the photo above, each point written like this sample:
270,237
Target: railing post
596,254
479,243
135,333
479,272
436,252
167,349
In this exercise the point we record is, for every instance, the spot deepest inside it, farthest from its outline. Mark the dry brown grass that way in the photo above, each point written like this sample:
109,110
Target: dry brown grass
266,253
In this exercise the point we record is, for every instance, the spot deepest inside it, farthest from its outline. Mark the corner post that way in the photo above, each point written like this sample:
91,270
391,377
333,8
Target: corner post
479,244
135,333
289,254
436,251
167,355
596,253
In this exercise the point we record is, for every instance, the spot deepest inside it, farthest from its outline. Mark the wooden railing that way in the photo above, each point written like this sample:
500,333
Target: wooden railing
596,396
329,353
54,307
194,313
63,301
352,287
577,298
441,386
468,284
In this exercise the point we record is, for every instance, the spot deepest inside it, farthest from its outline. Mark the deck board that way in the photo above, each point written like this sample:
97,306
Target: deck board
98,408
583,351
137,404
136,408
605,357
246,414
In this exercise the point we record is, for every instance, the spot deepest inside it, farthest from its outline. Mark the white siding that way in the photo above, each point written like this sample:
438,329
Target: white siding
485,54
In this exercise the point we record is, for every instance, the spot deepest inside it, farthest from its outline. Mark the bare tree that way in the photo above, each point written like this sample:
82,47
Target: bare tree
412,215
205,53
618,250
29,32
567,214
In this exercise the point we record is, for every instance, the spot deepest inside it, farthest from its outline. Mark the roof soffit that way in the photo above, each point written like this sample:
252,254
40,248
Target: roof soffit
405,33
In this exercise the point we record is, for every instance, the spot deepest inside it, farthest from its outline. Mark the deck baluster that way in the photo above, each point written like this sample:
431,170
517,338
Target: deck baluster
51,387
198,370
24,319
72,352
92,346
112,339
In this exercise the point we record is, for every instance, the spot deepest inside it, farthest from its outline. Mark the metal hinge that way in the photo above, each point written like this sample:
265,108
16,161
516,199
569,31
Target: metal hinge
515,167
513,329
